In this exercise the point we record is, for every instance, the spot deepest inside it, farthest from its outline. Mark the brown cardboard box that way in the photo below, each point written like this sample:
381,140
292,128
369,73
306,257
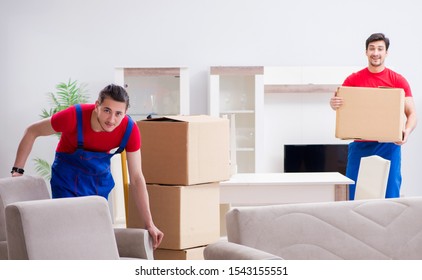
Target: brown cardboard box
371,114
189,216
186,254
185,150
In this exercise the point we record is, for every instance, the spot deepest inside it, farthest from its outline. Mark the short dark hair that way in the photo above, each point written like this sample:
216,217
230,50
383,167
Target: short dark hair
378,37
115,92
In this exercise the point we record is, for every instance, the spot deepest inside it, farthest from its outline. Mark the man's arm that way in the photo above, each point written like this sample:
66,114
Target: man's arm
140,194
40,128
411,119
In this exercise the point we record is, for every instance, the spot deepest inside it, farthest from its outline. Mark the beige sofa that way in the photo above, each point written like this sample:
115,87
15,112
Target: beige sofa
362,229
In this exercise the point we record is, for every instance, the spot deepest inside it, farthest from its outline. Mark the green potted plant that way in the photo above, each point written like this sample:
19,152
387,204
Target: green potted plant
66,95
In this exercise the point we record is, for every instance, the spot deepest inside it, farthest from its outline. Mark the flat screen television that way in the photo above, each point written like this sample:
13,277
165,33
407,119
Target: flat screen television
315,158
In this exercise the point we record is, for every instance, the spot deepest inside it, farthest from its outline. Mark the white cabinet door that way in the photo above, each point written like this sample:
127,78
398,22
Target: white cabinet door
155,91
238,94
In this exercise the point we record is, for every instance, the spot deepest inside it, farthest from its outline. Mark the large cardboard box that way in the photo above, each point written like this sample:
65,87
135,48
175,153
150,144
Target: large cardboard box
186,254
185,150
189,216
371,114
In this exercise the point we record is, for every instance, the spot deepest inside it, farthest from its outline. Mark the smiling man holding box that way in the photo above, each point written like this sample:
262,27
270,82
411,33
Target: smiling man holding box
376,75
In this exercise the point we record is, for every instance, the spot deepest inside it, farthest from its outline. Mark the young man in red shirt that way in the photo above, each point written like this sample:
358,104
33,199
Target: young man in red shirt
89,134
377,75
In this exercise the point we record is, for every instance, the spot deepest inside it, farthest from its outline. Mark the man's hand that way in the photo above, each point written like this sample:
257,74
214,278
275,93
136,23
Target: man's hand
16,174
157,236
406,134
336,102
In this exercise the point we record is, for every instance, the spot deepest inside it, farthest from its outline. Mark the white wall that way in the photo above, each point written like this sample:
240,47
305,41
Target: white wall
48,41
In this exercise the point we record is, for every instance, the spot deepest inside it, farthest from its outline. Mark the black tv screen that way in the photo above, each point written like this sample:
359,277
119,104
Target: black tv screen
315,158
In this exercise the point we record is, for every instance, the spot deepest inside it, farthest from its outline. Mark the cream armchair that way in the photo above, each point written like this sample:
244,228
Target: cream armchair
71,229
130,242
18,189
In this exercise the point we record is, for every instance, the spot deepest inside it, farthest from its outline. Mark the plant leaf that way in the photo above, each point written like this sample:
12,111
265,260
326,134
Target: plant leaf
43,168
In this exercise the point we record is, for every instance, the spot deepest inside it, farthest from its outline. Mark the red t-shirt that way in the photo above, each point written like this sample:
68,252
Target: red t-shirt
65,122
386,78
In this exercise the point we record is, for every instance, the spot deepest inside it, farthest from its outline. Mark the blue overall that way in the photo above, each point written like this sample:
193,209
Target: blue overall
389,151
84,173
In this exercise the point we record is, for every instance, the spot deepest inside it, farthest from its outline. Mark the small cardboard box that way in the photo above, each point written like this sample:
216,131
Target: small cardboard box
185,150
189,216
371,114
186,254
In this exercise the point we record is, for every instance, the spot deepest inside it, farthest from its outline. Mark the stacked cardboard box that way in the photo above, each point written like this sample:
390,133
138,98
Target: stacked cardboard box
183,159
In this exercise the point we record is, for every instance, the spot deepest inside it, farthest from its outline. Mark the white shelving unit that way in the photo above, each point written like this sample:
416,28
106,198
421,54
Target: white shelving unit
238,93
155,91
305,79
263,119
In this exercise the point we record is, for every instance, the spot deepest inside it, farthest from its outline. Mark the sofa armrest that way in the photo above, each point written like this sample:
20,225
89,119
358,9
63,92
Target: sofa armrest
134,243
232,251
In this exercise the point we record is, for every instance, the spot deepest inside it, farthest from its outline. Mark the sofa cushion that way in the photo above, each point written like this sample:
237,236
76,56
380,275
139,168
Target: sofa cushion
224,250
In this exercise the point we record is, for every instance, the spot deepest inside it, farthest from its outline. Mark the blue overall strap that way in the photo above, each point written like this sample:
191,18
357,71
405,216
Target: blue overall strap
79,126
125,139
